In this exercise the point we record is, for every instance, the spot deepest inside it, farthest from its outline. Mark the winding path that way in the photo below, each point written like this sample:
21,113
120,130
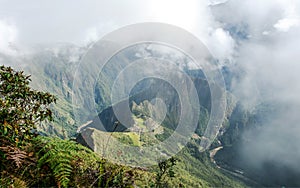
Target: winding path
83,125
212,154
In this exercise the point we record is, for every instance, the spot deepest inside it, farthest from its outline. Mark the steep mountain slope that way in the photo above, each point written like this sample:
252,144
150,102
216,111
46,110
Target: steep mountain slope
194,169
150,123
236,157
54,70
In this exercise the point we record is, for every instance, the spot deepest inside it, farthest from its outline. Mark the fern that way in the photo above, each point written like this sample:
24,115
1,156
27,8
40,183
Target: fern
62,156
15,154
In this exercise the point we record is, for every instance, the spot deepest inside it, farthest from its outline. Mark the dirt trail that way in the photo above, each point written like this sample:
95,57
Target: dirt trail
82,126
212,154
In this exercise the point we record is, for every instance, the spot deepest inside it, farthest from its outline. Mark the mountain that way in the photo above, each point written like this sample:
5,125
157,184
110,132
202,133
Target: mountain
54,70
51,70
59,70
236,157
145,126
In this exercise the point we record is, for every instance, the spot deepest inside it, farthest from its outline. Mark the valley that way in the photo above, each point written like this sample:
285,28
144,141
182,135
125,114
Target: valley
151,118
150,94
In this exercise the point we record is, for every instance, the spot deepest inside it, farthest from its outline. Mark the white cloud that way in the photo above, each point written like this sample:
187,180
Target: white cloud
268,65
217,2
177,12
266,32
268,60
285,24
86,22
8,37
94,33
221,44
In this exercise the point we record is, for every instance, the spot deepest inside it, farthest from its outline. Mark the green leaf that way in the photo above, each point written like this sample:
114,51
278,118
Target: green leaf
5,131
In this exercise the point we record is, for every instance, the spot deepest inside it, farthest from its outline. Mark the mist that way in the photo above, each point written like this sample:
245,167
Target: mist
267,58
258,40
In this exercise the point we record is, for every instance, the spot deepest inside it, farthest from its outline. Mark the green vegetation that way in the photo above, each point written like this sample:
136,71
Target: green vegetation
193,168
65,158
32,160
29,160
21,108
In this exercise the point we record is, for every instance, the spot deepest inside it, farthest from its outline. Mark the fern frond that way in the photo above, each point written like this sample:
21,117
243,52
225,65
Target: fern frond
62,155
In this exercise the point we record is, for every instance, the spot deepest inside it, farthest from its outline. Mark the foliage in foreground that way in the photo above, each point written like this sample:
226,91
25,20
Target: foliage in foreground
28,160
21,107
64,163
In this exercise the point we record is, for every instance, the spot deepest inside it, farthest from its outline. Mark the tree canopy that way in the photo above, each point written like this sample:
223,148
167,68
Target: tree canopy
21,107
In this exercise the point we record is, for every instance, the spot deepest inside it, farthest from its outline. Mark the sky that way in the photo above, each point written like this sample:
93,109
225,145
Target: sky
31,23
258,38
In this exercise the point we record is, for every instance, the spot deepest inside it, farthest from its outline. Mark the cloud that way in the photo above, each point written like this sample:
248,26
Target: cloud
221,44
291,18
285,24
92,34
8,37
217,2
38,23
80,22
260,38
268,64
96,32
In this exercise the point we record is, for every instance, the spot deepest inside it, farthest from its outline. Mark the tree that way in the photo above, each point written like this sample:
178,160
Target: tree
165,170
21,107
